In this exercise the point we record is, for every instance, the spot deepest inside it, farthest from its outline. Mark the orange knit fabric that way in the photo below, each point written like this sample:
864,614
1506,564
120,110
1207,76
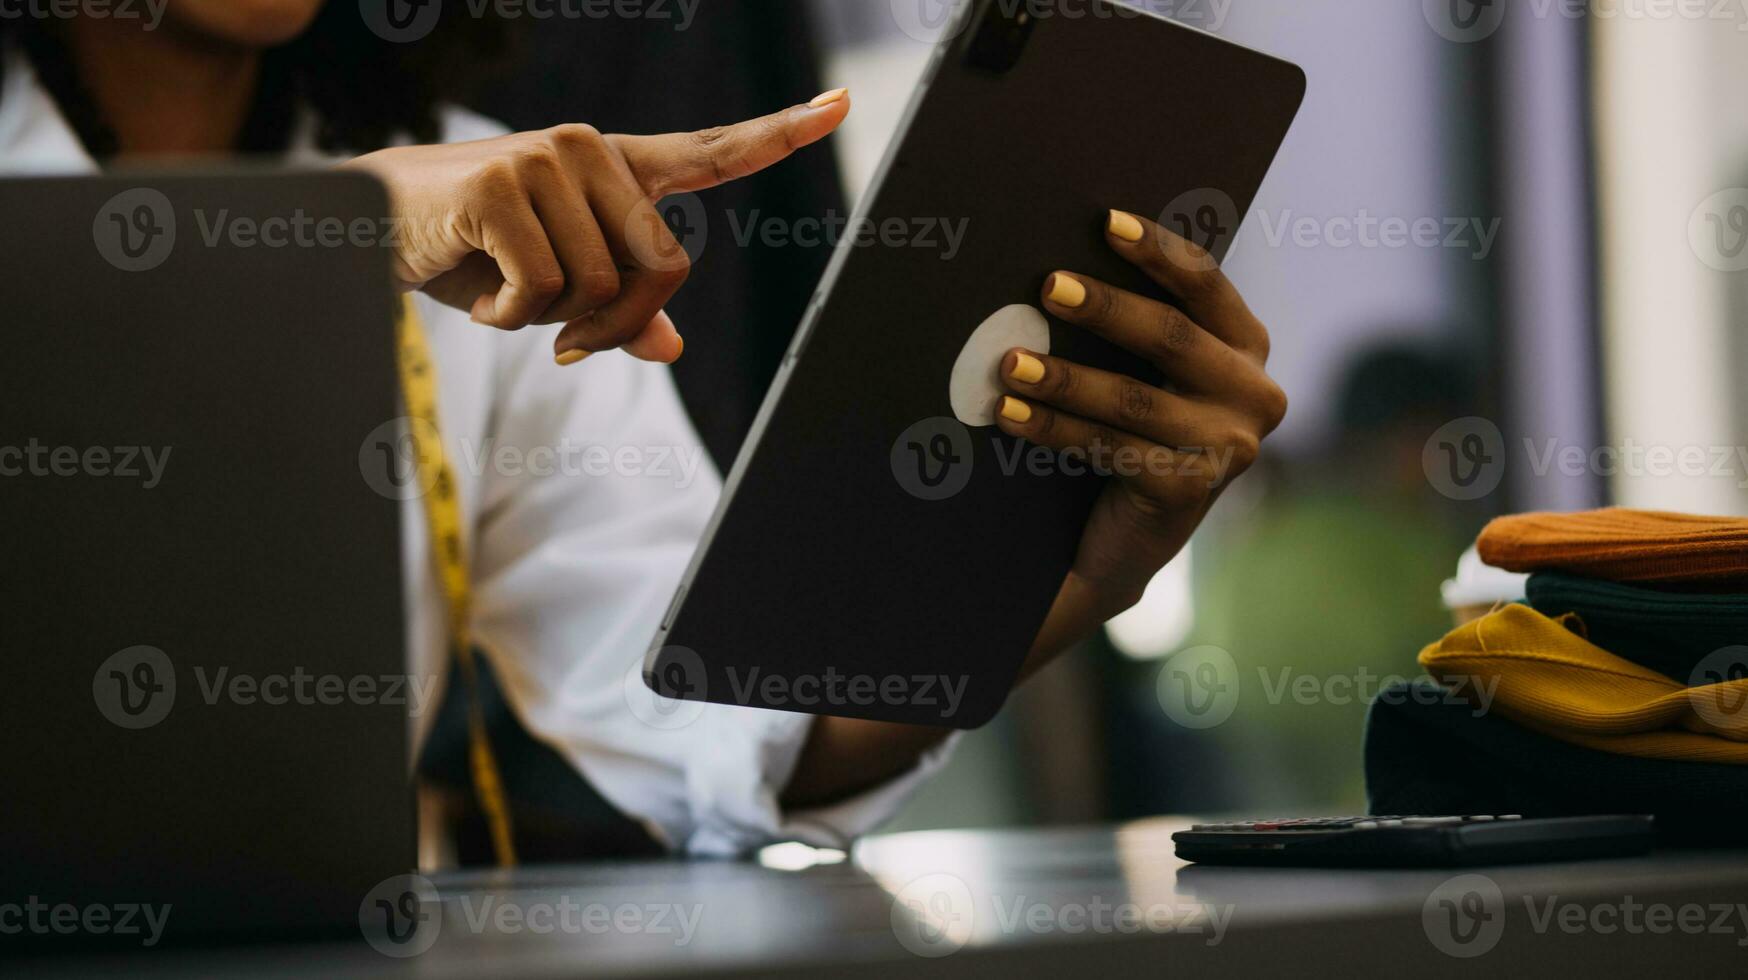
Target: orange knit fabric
1623,546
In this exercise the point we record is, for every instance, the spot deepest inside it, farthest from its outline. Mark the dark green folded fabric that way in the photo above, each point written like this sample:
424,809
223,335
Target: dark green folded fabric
1428,753
1672,633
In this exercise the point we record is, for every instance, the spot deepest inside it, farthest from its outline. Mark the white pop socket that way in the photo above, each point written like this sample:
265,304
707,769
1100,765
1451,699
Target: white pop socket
975,387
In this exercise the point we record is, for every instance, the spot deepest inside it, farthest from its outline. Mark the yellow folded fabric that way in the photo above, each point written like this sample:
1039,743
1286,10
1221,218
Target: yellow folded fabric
1541,674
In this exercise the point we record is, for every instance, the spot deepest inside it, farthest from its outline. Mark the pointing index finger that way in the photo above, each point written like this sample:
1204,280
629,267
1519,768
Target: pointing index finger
676,163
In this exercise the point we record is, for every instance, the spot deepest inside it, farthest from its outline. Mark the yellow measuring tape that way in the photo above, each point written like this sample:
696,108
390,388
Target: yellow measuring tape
443,515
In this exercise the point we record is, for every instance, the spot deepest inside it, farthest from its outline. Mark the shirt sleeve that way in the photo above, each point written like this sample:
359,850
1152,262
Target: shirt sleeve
593,496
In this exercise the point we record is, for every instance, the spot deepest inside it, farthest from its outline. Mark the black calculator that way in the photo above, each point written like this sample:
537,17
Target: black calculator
1414,842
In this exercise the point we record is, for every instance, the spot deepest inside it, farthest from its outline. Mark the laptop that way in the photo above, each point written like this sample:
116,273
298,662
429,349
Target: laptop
204,685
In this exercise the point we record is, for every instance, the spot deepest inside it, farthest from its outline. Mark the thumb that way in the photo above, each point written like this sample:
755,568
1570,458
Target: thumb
676,163
659,342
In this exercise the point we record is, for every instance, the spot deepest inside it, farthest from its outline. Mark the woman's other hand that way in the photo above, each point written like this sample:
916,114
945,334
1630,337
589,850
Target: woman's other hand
560,226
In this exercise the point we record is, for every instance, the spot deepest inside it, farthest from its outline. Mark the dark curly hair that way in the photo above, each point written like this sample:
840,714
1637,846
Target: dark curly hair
364,90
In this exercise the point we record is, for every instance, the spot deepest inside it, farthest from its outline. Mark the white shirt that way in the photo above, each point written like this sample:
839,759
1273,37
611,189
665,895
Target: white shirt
574,557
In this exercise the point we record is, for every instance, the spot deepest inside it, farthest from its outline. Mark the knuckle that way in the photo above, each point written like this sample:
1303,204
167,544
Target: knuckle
495,176
545,286
576,138
711,138
1246,448
651,178
1161,498
1102,443
538,160
1104,306
1173,331
1134,402
775,130
667,263
673,275
1044,422
710,143
1275,405
1063,380
1203,258
1186,489
1205,281
1263,346
599,286
1186,493
1148,497
1181,256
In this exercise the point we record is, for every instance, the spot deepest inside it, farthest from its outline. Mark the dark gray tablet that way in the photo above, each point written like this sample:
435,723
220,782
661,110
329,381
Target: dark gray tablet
873,557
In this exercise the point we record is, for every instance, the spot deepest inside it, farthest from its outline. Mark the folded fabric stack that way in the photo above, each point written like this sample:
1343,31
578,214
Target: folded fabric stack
1620,687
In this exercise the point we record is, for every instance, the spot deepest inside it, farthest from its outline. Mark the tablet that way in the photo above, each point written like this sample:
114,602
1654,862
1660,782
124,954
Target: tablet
873,555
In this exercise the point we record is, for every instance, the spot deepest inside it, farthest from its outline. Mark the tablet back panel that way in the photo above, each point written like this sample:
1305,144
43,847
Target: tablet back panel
867,562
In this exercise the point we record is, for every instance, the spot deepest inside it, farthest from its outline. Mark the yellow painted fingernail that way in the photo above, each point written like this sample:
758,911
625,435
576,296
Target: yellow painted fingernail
570,357
1015,410
681,352
1125,226
1067,291
1028,369
824,99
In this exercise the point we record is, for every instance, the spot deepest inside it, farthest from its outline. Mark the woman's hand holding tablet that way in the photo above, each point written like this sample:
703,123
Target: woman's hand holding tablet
1171,452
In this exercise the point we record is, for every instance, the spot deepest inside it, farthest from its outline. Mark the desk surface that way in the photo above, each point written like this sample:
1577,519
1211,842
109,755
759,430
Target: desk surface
970,903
